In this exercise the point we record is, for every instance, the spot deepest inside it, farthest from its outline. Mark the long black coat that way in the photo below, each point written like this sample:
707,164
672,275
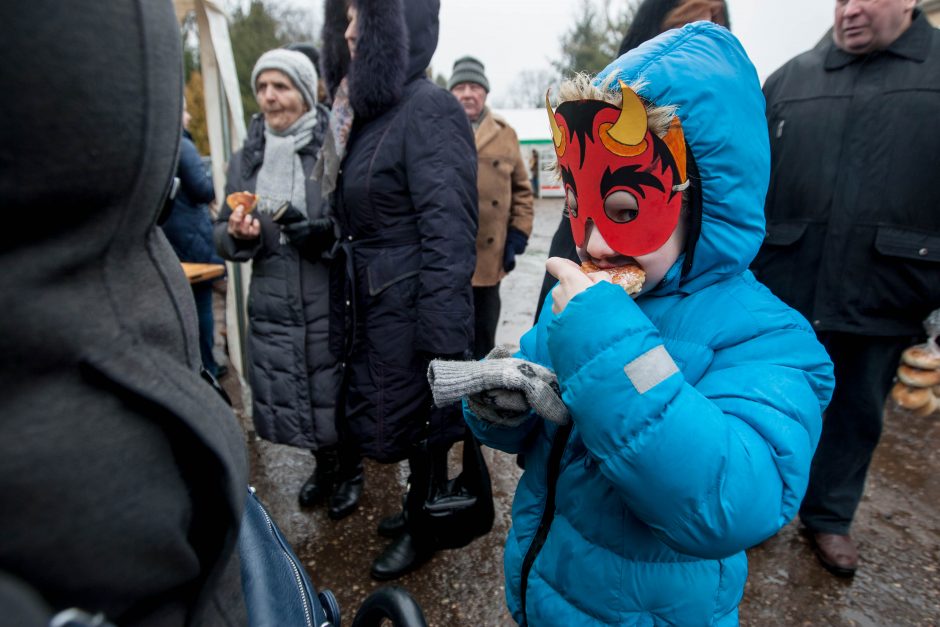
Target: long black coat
853,209
122,473
293,375
407,204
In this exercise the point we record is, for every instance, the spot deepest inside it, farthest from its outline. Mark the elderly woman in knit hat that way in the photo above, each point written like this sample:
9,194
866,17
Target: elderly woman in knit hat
293,376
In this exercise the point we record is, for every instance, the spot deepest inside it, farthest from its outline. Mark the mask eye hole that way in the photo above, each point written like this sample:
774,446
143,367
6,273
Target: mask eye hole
572,201
621,207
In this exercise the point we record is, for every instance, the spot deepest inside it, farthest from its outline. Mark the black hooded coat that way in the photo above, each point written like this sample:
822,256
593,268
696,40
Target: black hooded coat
122,473
407,204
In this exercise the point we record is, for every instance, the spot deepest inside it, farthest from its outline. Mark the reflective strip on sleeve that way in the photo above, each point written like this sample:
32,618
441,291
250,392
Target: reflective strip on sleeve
650,369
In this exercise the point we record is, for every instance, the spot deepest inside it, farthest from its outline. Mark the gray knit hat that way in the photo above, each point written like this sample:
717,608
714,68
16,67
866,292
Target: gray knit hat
468,70
296,65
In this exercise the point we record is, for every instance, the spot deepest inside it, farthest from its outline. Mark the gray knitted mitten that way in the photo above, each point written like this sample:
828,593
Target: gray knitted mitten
500,389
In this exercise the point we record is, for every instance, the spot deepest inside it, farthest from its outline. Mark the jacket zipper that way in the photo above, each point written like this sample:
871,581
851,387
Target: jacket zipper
559,442
297,578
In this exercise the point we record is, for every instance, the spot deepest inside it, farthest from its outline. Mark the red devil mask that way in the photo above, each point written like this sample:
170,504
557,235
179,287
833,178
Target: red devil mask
617,173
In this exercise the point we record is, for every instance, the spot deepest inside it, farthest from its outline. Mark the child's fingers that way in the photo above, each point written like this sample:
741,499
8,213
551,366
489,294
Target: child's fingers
599,276
559,267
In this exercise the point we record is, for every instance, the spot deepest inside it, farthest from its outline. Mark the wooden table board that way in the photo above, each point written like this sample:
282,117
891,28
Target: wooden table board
197,272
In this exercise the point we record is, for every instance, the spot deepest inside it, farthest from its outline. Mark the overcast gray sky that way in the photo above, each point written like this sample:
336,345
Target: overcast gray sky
510,36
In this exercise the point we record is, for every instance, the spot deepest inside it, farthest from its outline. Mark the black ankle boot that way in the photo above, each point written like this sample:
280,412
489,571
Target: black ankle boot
320,484
392,526
345,498
400,557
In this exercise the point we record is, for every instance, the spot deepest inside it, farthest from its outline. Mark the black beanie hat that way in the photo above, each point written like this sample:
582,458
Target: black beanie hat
468,70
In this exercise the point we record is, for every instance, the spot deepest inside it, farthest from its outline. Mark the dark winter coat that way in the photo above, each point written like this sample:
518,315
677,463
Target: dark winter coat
294,378
189,226
122,473
407,204
853,210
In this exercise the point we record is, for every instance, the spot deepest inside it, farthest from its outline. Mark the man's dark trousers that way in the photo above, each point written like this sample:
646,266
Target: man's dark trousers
864,369
486,305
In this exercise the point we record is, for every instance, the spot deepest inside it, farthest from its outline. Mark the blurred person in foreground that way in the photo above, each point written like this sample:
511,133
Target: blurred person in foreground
406,199
294,378
652,17
189,230
667,429
853,230
122,472
504,198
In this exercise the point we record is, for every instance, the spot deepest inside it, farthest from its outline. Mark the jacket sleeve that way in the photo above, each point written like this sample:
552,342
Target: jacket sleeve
441,168
195,181
715,468
521,211
228,247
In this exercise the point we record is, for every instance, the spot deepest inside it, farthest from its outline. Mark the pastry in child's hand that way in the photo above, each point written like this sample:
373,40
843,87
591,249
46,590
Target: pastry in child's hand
630,276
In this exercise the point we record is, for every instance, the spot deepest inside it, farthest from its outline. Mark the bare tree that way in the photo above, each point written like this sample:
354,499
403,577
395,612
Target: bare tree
528,89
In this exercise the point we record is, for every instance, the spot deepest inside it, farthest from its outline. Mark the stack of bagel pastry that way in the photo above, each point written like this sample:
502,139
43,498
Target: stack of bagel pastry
918,386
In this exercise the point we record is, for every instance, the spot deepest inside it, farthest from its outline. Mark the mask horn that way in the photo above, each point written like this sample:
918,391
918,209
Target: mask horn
558,138
675,141
630,127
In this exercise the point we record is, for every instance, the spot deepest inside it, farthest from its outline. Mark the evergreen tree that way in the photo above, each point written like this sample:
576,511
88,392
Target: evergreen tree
253,32
594,38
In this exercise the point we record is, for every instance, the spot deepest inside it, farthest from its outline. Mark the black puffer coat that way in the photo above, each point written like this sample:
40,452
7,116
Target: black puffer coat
407,204
122,473
853,209
294,378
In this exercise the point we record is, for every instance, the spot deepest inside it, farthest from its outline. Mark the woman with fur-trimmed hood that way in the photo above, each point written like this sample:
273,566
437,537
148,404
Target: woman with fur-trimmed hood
401,160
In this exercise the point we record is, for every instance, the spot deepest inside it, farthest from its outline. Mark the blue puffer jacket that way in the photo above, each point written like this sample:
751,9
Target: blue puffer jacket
657,492
189,226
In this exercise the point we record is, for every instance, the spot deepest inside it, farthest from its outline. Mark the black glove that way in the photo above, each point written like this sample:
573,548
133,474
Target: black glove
516,242
311,237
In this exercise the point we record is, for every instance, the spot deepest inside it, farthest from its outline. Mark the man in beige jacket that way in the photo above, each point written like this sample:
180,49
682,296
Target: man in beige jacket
505,198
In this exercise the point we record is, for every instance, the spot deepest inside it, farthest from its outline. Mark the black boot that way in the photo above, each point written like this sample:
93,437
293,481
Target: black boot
392,526
400,557
320,484
345,498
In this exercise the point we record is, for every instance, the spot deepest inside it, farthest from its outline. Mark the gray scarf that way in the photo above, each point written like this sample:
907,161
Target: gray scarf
281,177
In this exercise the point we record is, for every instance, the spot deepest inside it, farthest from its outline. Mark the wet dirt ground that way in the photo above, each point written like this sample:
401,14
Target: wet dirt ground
897,526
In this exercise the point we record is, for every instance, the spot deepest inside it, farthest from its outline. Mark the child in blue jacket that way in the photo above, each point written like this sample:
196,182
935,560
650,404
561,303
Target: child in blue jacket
683,420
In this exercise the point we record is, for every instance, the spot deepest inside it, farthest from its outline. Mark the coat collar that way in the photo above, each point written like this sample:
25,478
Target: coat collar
488,130
913,44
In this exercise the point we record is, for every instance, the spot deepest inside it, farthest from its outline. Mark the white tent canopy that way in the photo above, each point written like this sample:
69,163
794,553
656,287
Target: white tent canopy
226,125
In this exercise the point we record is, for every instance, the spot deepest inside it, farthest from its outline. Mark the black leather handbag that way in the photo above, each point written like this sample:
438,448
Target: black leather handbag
451,513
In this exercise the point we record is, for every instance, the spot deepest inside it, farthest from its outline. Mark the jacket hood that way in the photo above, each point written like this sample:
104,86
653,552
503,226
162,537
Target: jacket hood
703,70
86,171
397,39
